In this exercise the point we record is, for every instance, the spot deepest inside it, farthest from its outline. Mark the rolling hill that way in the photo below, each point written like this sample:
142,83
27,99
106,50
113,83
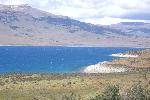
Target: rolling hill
24,25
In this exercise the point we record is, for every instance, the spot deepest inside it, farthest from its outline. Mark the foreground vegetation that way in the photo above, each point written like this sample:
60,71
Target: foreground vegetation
75,86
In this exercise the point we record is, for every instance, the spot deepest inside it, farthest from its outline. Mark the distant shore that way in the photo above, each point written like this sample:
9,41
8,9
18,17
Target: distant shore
94,46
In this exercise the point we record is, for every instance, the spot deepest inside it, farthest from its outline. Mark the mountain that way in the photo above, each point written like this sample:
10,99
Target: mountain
134,28
24,25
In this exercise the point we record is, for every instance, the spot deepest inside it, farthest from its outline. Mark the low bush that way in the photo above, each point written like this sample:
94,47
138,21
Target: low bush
110,93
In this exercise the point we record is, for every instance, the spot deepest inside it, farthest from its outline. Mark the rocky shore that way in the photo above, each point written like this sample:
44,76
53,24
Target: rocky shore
105,67
124,55
125,62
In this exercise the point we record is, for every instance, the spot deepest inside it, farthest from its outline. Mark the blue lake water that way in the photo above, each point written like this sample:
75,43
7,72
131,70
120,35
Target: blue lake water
53,59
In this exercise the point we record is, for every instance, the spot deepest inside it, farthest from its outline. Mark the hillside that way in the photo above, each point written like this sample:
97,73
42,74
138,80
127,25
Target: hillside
24,25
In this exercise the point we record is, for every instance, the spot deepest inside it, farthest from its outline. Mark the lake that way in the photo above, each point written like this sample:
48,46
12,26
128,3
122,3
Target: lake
53,59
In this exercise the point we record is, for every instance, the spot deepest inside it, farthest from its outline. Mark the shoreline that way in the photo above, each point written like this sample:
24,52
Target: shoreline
92,46
104,67
109,67
121,55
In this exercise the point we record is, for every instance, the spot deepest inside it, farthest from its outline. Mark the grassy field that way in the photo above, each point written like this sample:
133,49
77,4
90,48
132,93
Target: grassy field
59,86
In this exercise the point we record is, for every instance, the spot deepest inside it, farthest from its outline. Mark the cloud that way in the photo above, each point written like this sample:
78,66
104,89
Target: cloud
13,2
93,10
110,20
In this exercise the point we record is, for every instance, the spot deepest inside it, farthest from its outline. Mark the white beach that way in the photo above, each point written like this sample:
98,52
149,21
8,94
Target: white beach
124,55
103,67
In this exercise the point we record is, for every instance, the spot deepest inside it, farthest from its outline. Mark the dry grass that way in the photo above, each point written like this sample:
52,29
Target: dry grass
143,61
54,87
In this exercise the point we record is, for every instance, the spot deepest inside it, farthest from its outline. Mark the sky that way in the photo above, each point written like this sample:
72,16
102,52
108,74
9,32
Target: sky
103,12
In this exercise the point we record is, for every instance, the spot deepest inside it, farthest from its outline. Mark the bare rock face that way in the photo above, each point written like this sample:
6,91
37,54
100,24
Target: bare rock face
24,25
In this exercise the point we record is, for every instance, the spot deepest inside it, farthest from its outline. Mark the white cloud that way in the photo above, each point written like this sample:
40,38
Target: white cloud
132,4
13,2
110,20
101,11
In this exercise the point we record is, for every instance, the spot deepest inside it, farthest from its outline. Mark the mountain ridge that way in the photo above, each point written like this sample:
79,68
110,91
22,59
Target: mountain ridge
24,25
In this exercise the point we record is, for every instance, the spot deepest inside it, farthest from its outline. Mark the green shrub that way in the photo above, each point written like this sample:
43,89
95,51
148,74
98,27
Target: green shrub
137,92
110,93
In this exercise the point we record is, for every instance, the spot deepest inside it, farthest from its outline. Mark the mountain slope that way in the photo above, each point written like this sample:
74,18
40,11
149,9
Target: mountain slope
24,25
